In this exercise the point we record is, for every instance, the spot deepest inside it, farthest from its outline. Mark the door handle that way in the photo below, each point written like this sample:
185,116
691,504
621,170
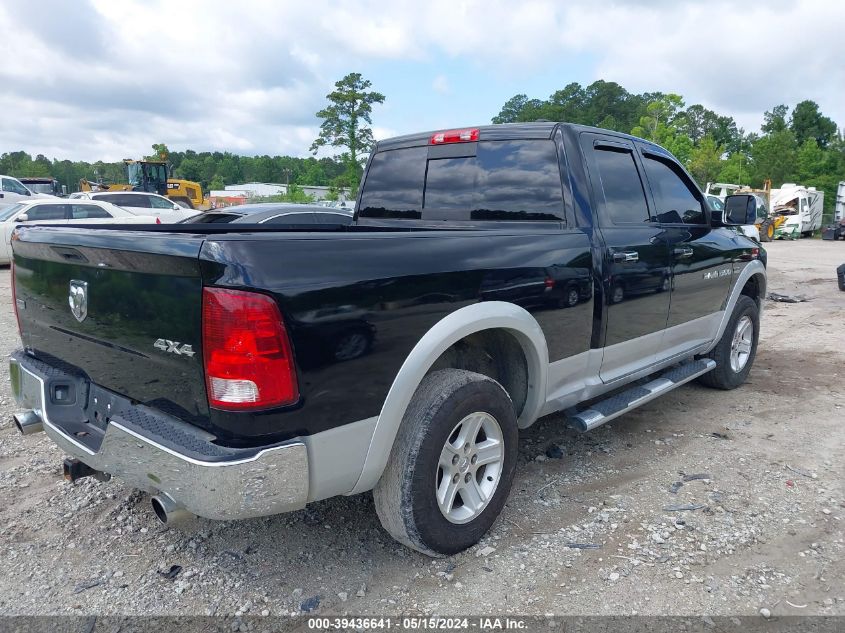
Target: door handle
626,256
683,253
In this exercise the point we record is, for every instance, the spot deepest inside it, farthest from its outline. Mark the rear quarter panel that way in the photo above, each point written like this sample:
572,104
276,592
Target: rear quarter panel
389,289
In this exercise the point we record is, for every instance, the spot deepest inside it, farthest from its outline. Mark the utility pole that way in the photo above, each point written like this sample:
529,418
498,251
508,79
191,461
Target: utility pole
286,172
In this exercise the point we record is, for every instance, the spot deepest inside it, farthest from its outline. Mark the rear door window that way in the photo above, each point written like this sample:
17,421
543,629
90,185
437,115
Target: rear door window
624,197
126,200
87,211
159,203
675,198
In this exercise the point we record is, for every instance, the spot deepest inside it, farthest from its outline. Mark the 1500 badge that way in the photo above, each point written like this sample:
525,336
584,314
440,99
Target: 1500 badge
174,347
725,272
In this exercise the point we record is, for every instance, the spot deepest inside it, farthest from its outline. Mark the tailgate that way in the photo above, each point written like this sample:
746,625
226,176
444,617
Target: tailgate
122,306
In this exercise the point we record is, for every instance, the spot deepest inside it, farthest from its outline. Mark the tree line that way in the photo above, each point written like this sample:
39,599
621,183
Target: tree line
802,145
213,170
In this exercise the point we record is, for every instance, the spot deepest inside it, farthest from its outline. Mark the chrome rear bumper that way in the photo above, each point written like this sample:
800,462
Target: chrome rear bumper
157,453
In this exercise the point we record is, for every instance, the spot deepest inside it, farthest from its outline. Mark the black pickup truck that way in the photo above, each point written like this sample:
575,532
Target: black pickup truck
491,276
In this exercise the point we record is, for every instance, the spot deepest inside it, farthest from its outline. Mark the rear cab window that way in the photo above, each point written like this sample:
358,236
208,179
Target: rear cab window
513,180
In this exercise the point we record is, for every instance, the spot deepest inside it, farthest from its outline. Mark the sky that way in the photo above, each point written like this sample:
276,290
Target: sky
105,79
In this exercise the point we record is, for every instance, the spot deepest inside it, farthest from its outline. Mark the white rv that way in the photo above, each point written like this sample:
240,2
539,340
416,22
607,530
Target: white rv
802,206
839,210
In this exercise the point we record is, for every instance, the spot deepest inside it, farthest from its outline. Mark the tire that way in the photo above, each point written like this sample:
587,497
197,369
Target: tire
617,293
446,405
185,203
767,231
572,297
352,344
727,374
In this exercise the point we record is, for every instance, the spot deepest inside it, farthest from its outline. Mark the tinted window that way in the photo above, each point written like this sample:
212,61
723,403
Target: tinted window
716,203
287,218
159,203
334,218
126,200
624,198
674,196
505,180
394,184
85,211
212,218
47,212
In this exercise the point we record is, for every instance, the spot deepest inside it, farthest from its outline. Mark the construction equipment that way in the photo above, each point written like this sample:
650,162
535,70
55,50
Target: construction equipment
800,208
152,176
767,223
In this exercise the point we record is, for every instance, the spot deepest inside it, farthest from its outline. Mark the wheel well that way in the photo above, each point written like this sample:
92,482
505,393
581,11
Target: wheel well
755,288
494,353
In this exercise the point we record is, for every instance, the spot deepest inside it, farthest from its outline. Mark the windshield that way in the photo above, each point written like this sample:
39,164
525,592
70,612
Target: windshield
134,175
10,212
40,187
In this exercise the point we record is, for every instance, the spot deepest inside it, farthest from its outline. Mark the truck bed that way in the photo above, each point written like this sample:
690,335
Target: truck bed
355,302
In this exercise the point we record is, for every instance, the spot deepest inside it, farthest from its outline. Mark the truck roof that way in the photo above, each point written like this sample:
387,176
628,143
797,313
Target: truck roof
502,132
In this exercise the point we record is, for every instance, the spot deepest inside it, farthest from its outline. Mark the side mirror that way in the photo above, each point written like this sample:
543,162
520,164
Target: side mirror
740,209
23,217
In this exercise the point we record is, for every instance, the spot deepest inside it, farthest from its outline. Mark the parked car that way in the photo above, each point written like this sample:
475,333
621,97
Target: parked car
58,211
272,213
151,203
13,190
183,358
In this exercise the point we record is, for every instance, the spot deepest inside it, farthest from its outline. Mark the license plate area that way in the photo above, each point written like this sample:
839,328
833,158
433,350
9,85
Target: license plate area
70,403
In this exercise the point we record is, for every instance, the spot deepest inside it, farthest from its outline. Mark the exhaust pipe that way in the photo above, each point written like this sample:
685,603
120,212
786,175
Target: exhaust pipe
28,422
170,513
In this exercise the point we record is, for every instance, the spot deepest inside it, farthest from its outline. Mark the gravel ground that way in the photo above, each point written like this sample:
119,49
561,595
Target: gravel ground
593,525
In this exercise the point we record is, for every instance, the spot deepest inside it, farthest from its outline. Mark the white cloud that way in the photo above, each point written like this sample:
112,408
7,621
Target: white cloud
103,79
440,85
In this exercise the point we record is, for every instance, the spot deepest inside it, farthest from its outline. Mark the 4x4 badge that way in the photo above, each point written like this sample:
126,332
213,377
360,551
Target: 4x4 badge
78,299
174,347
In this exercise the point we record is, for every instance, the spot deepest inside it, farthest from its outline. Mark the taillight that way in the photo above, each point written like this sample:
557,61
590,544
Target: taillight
247,353
549,283
454,136
158,220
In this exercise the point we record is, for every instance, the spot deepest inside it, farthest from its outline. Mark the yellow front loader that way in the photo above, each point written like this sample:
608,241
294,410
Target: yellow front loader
152,176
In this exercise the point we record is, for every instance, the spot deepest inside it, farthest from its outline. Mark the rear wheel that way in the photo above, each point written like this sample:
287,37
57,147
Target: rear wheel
572,297
734,353
452,463
184,202
617,294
